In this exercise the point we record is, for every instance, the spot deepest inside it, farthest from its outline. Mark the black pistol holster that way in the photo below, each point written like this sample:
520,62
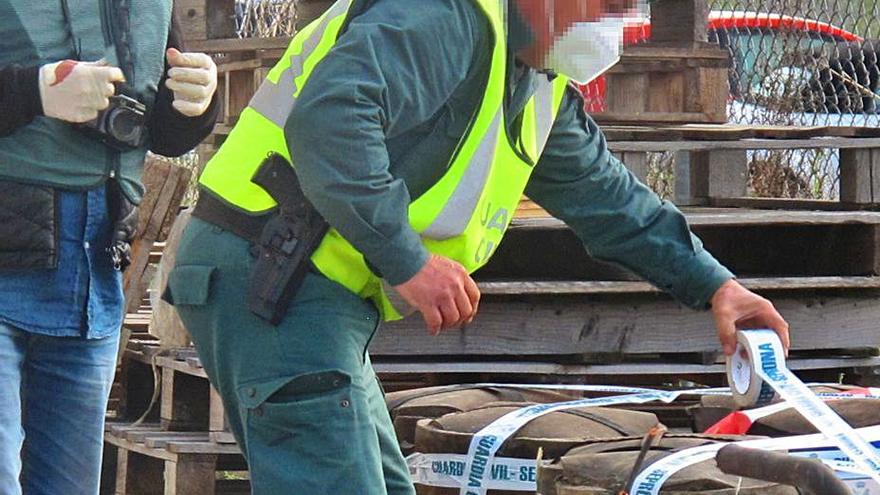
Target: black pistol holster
289,238
284,240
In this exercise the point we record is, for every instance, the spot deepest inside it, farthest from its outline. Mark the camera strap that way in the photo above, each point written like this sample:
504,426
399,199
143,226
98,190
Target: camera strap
120,33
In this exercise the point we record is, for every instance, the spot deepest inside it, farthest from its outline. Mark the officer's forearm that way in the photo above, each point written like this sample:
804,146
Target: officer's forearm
619,219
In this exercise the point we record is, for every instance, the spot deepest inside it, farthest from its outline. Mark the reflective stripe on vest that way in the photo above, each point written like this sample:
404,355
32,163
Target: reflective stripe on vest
463,216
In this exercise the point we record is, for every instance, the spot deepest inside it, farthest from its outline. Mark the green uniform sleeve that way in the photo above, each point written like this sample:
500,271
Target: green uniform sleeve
619,219
393,68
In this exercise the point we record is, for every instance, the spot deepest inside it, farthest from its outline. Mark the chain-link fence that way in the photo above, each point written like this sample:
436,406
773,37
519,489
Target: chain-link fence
266,18
795,63
800,62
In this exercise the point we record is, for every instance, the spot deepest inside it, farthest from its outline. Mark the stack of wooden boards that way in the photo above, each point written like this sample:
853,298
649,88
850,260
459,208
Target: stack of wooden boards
550,308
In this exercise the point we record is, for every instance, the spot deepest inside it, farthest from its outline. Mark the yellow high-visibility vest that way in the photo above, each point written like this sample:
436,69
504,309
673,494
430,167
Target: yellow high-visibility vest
462,217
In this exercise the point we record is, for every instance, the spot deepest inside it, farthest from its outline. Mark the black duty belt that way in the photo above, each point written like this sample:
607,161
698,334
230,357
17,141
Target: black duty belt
215,211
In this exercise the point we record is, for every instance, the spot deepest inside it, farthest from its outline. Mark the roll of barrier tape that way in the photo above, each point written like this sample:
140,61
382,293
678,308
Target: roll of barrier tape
757,372
747,386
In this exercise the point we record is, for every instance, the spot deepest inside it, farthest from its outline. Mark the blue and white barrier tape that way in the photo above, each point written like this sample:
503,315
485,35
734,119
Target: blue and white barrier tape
757,372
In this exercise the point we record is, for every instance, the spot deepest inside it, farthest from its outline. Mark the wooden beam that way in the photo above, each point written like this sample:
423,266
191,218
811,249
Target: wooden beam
239,44
746,144
718,174
558,325
513,288
860,175
715,217
789,204
679,21
191,474
391,369
637,163
184,404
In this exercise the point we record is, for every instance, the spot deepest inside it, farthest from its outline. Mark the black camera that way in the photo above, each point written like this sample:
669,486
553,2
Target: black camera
122,125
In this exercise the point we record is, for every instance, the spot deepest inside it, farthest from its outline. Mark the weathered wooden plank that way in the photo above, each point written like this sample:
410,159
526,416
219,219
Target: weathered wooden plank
666,93
789,204
747,144
165,186
510,288
239,90
629,93
557,325
392,369
138,474
137,447
715,217
181,366
238,44
856,176
202,448
218,425
194,473
161,440
184,401
247,64
659,118
711,93
192,18
680,21
637,163
718,174
688,179
730,132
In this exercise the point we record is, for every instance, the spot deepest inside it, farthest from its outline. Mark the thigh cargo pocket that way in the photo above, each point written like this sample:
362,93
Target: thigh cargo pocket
305,429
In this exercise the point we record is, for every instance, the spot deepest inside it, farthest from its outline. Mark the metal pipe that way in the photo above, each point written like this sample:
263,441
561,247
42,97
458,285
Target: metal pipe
810,476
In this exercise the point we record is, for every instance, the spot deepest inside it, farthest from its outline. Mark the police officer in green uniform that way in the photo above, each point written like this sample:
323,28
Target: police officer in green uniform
414,131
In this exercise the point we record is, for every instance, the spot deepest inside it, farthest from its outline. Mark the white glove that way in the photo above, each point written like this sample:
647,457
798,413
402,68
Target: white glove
76,91
193,78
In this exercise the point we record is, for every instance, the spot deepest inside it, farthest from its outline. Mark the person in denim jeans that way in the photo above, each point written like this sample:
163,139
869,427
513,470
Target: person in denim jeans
67,213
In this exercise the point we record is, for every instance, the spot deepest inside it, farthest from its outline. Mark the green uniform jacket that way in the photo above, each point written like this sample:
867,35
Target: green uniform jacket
383,112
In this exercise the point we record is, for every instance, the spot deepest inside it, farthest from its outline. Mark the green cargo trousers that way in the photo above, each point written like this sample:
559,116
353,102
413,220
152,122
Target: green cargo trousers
302,398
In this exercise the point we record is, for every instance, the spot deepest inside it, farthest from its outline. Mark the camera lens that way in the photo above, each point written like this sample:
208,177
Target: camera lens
125,125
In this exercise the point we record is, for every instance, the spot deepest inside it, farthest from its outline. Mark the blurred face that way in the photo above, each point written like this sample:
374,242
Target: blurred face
550,20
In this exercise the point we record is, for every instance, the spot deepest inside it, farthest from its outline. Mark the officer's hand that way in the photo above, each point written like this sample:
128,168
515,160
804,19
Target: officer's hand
735,307
443,292
76,91
193,79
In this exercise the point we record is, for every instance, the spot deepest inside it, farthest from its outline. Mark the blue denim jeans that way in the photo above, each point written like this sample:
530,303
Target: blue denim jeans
53,397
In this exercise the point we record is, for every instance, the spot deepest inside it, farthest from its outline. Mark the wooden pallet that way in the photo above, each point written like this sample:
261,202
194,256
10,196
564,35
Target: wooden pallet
711,162
151,461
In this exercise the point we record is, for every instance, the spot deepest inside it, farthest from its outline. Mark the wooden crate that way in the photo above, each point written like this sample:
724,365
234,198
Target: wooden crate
659,84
